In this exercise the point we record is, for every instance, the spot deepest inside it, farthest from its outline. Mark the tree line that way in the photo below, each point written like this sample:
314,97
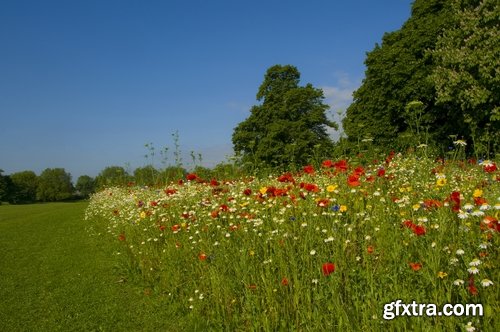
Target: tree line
55,184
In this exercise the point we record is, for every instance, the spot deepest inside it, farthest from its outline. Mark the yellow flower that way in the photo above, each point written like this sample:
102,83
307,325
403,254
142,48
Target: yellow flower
477,193
251,253
441,182
263,190
442,274
343,208
143,214
331,188
416,207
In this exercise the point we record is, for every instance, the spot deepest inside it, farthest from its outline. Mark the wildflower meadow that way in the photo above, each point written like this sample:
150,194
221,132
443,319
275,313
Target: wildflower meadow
319,249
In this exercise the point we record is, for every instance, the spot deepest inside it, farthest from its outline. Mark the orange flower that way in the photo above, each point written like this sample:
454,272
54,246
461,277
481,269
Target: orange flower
415,266
202,256
284,281
370,249
121,237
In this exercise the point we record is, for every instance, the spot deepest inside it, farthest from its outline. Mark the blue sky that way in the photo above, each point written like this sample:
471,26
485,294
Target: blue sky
85,84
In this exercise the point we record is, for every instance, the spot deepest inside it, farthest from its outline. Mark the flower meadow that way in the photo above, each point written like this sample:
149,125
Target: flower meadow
323,248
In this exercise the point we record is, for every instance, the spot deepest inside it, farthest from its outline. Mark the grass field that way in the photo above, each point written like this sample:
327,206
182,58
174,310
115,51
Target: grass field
55,277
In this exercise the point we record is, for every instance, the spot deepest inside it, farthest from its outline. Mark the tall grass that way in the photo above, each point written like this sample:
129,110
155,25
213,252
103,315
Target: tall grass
320,249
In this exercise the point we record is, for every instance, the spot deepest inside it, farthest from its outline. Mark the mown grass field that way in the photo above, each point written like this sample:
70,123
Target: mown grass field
55,277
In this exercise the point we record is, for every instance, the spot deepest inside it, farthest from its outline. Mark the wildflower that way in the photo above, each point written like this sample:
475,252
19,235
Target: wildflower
477,193
459,252
415,266
143,215
460,142
441,182
328,268
486,282
353,180
475,262
331,188
202,256
489,166
121,237
330,239
458,282
312,252
309,169
473,270
442,274
469,327
315,281
191,176
370,249
284,281
343,208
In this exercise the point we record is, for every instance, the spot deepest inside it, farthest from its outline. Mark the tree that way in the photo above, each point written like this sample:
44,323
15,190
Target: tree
112,176
85,185
54,184
147,175
467,71
289,127
6,187
25,185
397,73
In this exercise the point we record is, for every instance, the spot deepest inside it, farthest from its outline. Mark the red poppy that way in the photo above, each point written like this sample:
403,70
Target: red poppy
309,169
479,201
247,192
381,172
353,180
455,198
359,171
284,281
121,237
419,230
175,228
490,168
191,177
162,227
169,191
341,166
310,187
328,268
287,177
202,256
415,266
214,183
327,164
370,249
214,213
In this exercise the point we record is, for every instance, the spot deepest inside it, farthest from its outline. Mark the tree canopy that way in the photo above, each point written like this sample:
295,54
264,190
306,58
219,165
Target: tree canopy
54,184
288,127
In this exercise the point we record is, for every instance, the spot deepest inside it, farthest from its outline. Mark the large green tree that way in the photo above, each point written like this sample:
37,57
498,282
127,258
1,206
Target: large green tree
54,184
397,73
25,185
288,127
85,185
6,187
467,71
112,176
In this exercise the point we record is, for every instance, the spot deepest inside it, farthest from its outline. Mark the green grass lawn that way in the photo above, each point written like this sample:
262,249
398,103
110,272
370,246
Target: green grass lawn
55,277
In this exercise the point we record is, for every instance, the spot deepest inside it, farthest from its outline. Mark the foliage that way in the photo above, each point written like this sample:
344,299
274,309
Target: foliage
319,249
5,187
54,184
467,71
112,176
25,185
147,175
85,185
289,124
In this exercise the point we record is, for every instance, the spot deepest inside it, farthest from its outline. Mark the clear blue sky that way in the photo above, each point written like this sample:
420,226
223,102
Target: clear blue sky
85,84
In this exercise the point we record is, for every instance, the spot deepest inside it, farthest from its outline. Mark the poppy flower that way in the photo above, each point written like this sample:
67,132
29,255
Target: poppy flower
370,249
191,177
489,167
287,177
284,282
202,256
247,192
419,230
328,268
353,180
341,166
309,169
327,164
323,202
381,172
214,183
121,237
415,266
